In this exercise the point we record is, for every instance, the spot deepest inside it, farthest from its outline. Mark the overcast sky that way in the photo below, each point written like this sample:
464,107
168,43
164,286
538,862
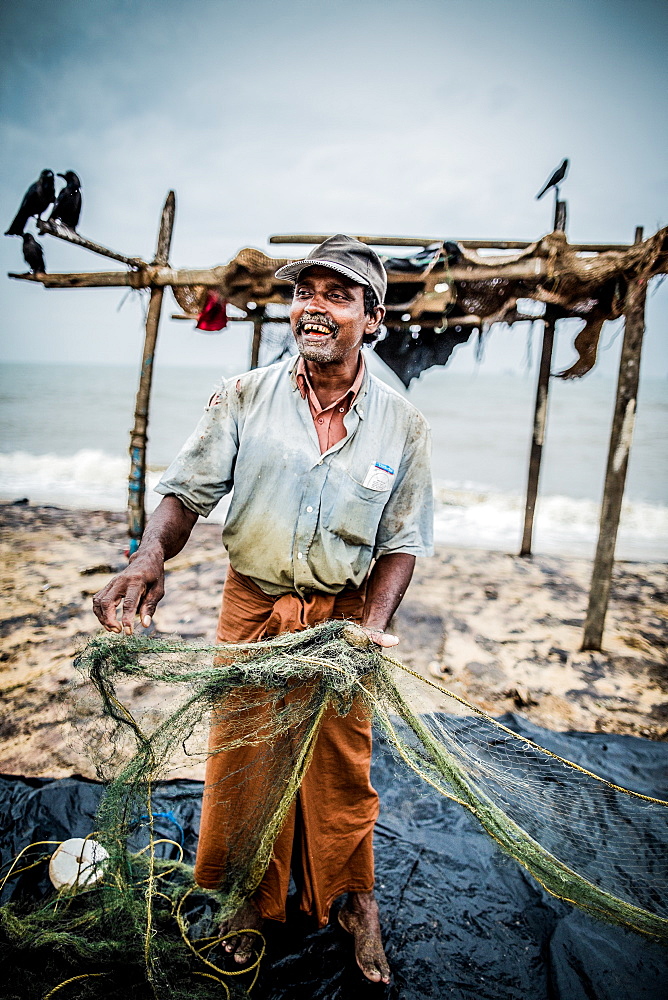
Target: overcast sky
414,117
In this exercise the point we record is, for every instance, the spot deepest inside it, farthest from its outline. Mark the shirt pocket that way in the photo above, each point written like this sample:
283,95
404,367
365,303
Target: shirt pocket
353,511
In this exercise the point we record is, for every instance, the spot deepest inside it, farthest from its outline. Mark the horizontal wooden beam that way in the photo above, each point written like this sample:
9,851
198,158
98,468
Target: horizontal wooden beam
153,276
391,320
425,241
376,241
193,317
159,277
533,268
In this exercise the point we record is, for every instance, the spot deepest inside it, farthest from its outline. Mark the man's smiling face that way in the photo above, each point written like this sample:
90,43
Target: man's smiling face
327,315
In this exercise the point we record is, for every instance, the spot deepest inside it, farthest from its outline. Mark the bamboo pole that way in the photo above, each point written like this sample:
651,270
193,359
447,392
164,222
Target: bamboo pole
618,457
258,319
138,437
88,279
448,324
62,232
425,241
532,269
540,408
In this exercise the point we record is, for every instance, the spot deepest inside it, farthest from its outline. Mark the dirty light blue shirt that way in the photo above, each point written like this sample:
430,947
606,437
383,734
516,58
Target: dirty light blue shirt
300,520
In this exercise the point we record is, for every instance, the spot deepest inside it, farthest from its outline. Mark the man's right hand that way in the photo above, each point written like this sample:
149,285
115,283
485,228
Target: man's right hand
137,589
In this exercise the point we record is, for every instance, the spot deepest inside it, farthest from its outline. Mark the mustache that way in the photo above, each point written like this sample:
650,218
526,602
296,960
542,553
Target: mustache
318,318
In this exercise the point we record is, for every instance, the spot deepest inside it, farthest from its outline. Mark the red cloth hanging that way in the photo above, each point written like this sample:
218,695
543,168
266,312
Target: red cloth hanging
213,316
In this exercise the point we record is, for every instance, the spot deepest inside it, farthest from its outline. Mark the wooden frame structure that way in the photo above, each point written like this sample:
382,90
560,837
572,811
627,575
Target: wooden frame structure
248,282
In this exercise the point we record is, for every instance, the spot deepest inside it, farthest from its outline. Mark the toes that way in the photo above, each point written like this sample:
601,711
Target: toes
376,969
244,951
376,975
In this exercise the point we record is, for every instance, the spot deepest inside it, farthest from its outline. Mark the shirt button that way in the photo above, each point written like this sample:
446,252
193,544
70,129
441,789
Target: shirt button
320,420
309,510
342,409
300,555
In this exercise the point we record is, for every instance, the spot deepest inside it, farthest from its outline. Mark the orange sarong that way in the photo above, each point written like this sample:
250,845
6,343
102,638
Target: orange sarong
327,835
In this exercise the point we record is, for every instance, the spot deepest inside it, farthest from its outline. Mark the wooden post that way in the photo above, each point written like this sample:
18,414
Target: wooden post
539,422
258,319
138,437
618,456
560,211
540,408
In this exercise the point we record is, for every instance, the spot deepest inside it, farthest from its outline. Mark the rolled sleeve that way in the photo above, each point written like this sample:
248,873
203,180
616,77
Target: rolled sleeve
407,522
203,471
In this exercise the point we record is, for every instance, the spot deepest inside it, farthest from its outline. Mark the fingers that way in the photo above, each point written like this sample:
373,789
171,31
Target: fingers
135,594
384,639
107,600
105,603
148,605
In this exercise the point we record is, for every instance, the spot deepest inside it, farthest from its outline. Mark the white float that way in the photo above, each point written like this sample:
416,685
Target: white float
77,862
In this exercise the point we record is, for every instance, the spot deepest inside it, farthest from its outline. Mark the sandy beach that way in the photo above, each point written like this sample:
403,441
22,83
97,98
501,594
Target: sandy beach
500,631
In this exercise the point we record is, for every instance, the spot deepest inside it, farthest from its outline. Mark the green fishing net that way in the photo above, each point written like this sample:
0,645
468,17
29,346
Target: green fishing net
271,696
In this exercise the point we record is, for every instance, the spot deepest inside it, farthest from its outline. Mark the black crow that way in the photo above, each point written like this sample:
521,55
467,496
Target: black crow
555,179
36,200
32,254
68,203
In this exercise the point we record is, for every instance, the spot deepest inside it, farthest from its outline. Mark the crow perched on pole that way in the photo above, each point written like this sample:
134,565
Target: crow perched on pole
32,254
554,180
36,200
68,203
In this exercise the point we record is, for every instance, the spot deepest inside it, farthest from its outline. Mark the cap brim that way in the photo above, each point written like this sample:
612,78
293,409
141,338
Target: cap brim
293,270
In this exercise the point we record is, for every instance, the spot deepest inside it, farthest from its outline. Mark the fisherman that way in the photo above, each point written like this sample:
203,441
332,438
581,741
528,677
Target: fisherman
332,503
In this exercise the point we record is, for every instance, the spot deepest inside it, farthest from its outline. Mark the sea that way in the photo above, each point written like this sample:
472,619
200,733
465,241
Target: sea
65,436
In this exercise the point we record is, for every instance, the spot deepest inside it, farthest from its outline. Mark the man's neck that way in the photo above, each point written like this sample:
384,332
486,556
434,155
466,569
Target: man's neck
330,381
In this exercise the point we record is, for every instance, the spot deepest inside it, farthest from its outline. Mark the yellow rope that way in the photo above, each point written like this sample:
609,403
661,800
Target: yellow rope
66,982
198,952
36,843
162,840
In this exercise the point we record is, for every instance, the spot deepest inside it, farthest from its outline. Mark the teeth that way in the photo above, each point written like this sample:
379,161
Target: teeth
316,327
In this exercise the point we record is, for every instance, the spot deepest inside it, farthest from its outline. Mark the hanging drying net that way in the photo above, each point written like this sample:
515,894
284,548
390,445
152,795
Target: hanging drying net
137,919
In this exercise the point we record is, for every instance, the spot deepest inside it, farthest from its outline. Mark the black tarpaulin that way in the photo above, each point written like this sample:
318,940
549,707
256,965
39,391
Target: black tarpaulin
460,920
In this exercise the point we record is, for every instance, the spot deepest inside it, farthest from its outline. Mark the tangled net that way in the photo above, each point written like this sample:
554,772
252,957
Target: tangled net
138,917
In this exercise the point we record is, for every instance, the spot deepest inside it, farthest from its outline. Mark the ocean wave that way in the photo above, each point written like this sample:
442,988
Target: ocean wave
88,479
465,515
475,518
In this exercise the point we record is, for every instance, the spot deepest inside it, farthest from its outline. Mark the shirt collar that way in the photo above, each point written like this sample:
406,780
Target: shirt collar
303,383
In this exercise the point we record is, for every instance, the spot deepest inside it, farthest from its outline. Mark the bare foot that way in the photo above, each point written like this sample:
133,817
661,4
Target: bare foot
359,916
241,945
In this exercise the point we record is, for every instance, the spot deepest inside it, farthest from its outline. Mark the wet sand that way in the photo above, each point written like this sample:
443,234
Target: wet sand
500,631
